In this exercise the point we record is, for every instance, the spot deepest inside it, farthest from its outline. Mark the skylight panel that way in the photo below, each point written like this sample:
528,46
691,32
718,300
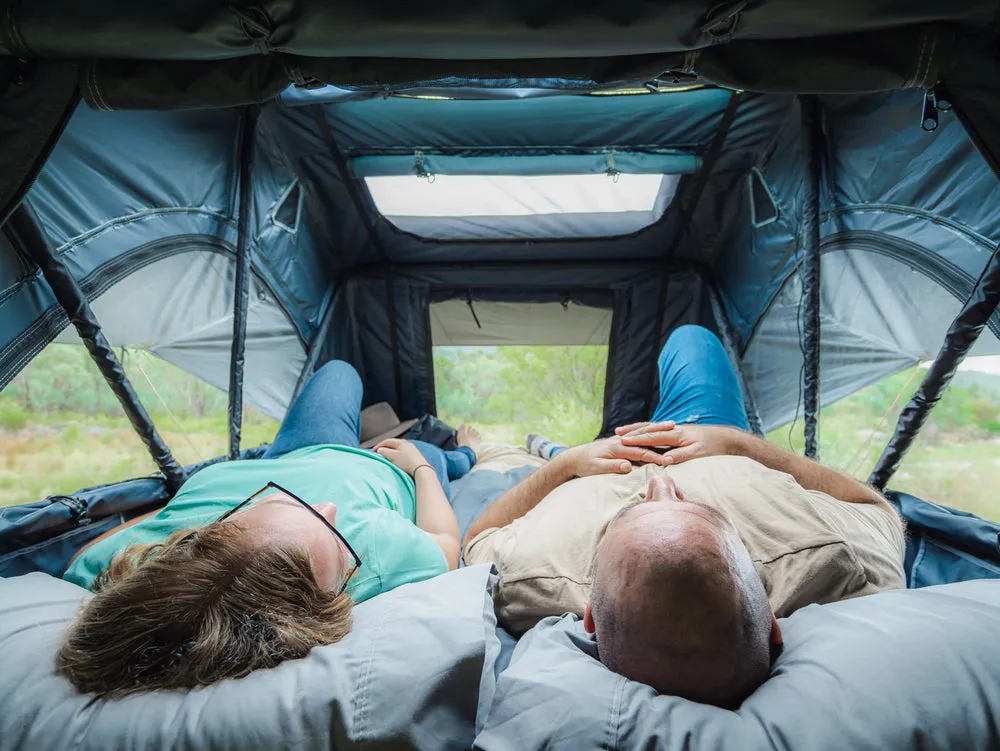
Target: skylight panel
512,195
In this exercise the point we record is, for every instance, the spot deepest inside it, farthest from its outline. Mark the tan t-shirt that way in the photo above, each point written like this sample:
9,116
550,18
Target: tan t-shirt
808,547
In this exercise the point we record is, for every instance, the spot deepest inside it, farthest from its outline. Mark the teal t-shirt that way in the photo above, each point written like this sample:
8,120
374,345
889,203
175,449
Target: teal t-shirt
376,511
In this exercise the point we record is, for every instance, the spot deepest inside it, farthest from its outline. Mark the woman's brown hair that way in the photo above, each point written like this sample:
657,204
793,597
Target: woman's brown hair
204,605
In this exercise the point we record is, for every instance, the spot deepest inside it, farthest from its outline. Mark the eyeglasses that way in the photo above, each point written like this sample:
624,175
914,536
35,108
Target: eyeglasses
314,512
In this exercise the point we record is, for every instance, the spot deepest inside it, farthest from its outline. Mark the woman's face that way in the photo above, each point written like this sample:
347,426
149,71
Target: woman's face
278,519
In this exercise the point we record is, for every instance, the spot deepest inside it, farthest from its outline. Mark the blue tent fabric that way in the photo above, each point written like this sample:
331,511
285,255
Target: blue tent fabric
141,207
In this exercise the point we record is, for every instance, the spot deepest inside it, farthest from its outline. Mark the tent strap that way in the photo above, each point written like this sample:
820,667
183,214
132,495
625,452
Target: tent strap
25,227
688,209
728,338
241,294
961,336
812,126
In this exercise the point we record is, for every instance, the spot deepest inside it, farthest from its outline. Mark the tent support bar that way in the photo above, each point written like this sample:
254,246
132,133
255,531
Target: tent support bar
25,226
961,336
241,296
812,125
316,344
350,185
728,338
688,208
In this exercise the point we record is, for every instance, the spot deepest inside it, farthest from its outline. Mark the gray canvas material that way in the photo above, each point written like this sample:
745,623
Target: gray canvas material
904,669
411,674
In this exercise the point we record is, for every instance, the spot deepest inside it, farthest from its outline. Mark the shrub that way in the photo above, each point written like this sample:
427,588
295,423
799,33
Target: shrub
13,418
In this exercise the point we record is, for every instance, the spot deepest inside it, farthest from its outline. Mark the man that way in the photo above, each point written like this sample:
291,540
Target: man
680,566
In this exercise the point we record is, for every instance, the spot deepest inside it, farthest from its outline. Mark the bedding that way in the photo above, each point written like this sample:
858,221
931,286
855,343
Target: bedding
412,673
903,669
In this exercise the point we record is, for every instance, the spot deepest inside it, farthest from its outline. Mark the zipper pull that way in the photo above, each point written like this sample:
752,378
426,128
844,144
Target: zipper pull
929,115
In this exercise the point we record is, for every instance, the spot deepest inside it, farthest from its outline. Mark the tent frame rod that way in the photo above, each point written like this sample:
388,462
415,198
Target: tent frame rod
812,126
241,292
728,338
27,232
360,205
961,336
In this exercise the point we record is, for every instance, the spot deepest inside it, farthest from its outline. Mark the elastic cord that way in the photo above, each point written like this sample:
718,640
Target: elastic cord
421,466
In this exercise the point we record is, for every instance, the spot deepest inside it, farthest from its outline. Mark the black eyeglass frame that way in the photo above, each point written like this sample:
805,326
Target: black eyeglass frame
314,512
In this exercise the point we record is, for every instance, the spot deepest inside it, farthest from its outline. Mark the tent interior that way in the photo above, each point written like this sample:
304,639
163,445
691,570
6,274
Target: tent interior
842,228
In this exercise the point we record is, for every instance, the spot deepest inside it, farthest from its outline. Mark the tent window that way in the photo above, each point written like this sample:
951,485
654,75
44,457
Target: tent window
286,215
461,207
61,428
763,209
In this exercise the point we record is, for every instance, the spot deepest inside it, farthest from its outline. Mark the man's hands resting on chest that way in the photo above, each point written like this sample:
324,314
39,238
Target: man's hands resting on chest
601,457
687,442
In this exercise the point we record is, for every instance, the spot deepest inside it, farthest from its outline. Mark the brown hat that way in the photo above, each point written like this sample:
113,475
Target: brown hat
378,422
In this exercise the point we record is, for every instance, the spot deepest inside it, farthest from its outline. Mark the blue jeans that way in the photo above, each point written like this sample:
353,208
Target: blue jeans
697,382
328,410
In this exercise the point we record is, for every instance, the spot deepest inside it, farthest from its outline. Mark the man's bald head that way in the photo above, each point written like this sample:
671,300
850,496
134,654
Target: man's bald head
676,601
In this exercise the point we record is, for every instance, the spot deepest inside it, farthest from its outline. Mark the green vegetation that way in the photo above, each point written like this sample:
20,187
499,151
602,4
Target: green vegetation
61,428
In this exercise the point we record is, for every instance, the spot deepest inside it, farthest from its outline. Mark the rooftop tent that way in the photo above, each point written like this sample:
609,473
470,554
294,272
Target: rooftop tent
717,155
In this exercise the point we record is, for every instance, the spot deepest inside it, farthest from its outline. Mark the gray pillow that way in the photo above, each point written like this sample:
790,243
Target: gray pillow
411,674
905,669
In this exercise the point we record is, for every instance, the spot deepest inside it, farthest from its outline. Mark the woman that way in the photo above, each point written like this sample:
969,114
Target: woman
257,561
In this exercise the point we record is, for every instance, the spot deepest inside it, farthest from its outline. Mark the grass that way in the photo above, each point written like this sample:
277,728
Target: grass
49,457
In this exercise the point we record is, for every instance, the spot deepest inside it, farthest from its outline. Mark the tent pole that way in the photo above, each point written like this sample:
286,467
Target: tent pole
241,294
728,338
25,226
812,126
961,336
688,209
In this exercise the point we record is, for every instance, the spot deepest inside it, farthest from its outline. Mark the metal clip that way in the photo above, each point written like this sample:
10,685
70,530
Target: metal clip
929,113
612,170
418,167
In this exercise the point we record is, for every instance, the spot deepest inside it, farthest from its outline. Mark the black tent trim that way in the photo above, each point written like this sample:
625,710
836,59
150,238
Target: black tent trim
241,291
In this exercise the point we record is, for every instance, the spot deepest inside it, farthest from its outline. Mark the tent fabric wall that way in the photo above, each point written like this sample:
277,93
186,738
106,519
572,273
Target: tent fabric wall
879,315
196,288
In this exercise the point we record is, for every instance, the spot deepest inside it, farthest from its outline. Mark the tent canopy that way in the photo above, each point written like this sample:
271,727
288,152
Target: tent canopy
702,105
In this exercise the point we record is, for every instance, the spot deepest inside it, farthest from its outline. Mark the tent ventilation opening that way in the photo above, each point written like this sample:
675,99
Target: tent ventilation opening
286,215
763,209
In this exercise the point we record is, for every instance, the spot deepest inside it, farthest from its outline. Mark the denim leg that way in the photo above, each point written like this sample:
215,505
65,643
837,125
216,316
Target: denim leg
460,462
697,381
328,410
449,465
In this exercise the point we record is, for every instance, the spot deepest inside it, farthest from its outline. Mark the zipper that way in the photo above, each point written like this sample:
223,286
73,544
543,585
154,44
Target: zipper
936,99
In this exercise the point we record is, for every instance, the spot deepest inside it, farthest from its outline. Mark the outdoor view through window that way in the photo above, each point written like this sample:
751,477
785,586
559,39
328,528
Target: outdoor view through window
62,430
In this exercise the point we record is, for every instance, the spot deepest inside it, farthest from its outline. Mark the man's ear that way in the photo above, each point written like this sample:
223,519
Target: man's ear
588,620
776,638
